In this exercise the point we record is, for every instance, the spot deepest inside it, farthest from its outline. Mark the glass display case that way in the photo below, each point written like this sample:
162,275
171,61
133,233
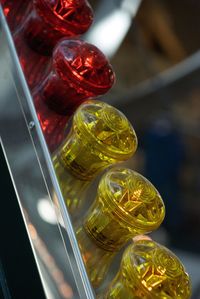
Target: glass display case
46,218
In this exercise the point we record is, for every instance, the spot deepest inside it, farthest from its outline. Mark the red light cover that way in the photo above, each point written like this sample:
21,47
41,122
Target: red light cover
49,21
45,24
79,71
71,17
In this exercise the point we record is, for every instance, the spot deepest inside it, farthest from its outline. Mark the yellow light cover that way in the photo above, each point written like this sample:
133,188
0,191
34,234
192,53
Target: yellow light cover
100,136
127,204
149,271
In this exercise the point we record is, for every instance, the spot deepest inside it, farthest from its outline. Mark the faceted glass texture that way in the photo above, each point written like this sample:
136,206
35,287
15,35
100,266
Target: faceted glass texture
95,142
78,71
126,205
134,198
42,29
77,14
149,271
49,21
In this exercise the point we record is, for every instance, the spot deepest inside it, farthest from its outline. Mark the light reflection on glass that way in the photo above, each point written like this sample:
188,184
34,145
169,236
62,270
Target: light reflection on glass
49,261
46,211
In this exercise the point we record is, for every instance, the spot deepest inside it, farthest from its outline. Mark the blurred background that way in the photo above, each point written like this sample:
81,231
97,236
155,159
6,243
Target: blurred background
153,46
157,65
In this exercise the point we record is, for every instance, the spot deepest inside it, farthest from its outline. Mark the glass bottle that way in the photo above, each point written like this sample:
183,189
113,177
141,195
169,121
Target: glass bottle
15,11
46,23
126,205
100,136
78,71
149,271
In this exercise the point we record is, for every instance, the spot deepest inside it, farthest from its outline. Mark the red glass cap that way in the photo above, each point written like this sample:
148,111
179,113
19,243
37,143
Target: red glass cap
84,64
71,17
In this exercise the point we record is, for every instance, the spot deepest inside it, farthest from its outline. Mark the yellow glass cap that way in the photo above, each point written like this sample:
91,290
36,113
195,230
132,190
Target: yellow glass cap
156,271
134,199
100,136
107,129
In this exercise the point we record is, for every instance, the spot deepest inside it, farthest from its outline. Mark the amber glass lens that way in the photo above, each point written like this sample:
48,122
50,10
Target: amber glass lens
100,136
149,271
126,205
